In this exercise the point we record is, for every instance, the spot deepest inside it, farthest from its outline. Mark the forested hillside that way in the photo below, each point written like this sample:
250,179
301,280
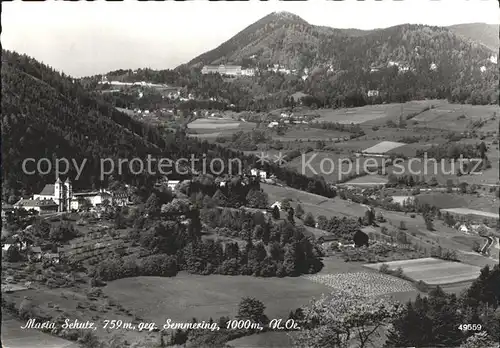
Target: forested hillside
402,63
49,115
46,114
487,34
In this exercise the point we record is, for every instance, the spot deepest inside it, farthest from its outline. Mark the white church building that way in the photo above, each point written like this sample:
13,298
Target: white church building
59,197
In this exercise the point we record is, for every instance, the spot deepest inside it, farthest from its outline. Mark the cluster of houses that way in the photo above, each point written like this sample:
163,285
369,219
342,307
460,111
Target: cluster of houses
34,253
289,118
468,228
237,70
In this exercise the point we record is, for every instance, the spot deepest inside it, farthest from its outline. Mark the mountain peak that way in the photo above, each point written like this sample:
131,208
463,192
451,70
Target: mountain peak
285,15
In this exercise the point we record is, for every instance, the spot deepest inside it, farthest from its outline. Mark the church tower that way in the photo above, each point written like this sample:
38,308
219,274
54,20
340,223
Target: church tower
58,194
69,193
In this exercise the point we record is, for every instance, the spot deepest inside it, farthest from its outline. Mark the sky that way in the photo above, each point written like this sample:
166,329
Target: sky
87,38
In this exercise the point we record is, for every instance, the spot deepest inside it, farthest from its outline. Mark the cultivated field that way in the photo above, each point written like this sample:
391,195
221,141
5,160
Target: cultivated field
334,166
442,171
363,283
186,296
367,180
486,202
371,113
434,271
451,117
383,147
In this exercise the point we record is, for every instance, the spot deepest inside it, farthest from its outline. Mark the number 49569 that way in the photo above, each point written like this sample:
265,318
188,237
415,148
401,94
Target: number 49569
470,327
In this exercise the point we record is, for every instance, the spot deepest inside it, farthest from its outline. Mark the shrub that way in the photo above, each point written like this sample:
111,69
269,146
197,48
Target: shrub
422,286
384,268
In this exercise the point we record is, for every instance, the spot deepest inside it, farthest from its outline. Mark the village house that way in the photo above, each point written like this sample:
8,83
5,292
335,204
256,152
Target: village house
121,199
35,254
6,209
276,204
262,175
44,206
172,184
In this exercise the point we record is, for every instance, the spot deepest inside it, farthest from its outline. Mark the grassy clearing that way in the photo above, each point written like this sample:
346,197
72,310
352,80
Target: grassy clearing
434,271
186,296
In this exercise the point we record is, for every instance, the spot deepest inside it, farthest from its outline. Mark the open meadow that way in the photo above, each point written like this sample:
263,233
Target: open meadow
186,296
315,204
433,271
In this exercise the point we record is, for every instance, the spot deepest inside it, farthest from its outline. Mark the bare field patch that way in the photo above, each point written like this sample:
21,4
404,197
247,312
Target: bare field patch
433,271
383,147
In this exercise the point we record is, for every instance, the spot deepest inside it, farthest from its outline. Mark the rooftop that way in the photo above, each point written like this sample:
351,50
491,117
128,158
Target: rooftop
36,203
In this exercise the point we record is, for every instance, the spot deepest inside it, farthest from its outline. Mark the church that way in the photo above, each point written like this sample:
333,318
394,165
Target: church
60,193
59,197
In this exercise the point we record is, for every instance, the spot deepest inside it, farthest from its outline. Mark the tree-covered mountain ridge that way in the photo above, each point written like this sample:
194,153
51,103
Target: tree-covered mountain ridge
290,41
46,114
